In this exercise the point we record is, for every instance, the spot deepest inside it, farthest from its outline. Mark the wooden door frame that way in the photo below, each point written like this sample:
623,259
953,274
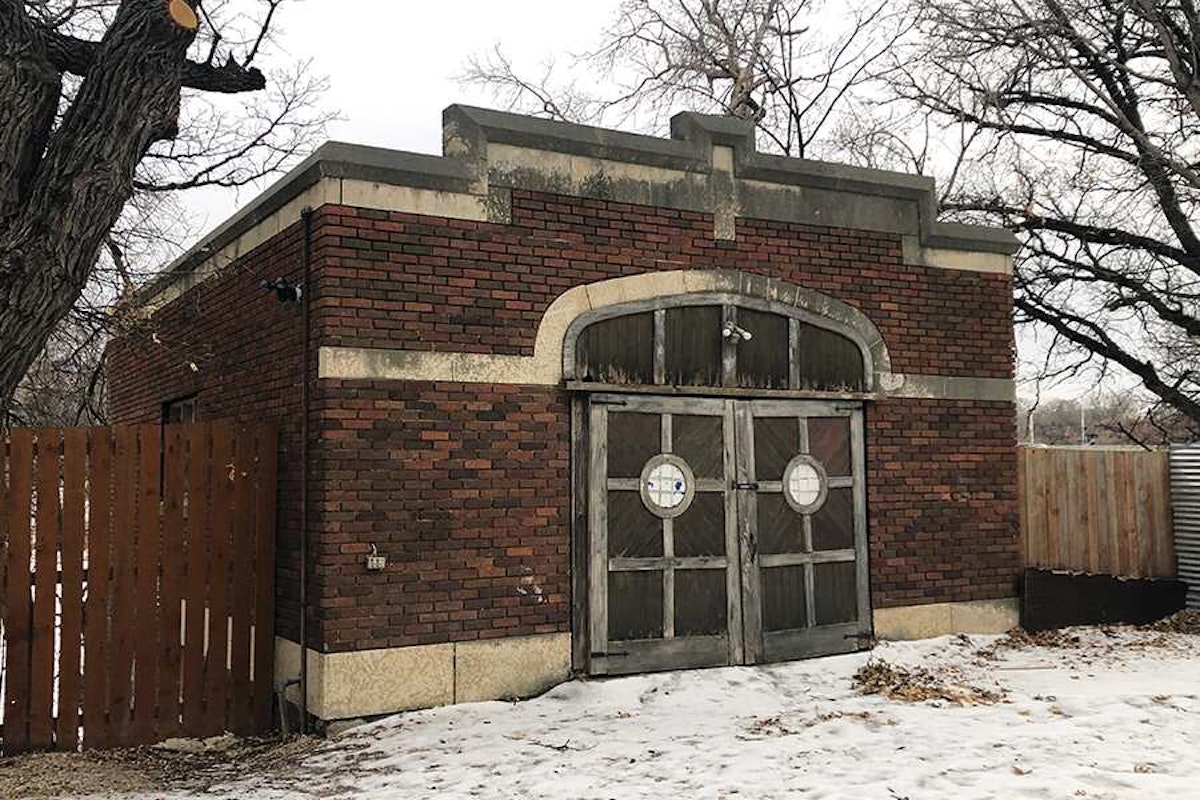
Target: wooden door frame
580,539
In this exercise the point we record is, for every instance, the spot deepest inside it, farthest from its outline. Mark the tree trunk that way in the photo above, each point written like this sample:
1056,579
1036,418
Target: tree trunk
30,88
59,199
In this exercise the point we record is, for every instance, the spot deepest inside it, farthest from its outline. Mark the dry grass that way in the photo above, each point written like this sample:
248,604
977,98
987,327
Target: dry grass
919,685
145,769
1186,622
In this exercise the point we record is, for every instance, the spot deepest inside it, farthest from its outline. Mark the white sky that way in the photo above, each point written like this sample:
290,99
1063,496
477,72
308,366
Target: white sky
392,65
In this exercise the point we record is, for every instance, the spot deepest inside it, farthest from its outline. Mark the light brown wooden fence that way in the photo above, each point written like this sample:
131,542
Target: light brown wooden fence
138,591
1097,510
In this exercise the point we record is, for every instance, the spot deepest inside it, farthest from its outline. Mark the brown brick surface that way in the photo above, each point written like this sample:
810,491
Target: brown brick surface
465,487
238,349
397,280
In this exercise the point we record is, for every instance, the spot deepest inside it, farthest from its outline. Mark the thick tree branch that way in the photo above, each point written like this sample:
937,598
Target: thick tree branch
1093,338
77,56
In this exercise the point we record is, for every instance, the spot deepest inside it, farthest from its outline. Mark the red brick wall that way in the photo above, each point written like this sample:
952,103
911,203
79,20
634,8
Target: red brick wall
245,346
404,281
465,489
942,501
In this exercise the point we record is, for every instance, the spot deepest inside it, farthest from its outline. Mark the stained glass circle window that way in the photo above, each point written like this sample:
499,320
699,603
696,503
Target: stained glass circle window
804,484
667,485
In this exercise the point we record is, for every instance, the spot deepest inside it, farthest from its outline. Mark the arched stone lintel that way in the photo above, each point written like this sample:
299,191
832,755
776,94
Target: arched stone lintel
580,306
549,364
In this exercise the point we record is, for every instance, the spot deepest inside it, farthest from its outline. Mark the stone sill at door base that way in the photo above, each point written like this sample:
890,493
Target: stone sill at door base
376,682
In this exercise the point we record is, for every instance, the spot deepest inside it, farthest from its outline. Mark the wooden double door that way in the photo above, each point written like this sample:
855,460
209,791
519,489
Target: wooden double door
723,532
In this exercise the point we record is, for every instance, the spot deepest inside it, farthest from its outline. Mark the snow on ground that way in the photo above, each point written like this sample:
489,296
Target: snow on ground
1115,715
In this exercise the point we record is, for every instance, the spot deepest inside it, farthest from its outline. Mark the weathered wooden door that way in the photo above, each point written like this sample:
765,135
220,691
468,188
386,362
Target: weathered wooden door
723,532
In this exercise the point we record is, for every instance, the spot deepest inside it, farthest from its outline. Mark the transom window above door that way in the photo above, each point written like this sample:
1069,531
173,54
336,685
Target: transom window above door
737,343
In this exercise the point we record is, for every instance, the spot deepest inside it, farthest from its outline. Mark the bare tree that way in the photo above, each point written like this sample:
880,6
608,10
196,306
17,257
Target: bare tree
1082,118
1112,418
788,65
106,110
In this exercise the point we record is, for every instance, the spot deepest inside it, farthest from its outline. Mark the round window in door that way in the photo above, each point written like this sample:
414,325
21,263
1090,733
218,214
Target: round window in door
805,485
667,485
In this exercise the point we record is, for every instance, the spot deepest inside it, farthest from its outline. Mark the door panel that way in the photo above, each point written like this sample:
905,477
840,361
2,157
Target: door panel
664,539
723,532
802,473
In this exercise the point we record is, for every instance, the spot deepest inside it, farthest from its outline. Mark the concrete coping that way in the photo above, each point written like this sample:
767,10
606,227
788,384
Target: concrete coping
685,172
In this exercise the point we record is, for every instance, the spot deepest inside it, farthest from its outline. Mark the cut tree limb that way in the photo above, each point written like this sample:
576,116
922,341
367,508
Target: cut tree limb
77,56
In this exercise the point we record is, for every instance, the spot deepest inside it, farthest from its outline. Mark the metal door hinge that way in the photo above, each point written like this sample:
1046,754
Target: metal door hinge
609,401
753,486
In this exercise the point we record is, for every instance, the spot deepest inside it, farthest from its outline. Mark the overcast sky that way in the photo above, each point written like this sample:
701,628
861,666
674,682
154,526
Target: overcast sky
392,65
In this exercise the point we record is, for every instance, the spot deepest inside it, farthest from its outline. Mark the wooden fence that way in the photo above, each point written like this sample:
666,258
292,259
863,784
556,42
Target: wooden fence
138,591
1097,510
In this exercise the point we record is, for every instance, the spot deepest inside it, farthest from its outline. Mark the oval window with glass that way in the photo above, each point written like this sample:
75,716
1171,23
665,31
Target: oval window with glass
667,485
805,485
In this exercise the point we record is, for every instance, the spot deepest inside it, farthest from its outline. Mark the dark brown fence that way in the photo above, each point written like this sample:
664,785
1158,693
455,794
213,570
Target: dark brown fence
1100,510
138,584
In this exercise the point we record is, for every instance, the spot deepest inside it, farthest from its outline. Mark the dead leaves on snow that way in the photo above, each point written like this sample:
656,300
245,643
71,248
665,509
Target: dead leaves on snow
919,685
1186,621
790,725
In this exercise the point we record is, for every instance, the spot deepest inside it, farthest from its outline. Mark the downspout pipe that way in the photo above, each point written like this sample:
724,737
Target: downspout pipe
305,404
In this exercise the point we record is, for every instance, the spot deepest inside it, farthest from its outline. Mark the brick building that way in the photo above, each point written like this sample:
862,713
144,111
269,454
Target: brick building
605,402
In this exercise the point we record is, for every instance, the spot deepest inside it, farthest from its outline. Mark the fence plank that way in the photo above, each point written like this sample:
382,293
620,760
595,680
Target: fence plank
216,673
1098,510
1165,545
196,587
171,534
149,549
264,612
96,619
1144,513
241,702
1034,489
18,621
1056,486
71,635
124,595
170,647
1089,513
47,518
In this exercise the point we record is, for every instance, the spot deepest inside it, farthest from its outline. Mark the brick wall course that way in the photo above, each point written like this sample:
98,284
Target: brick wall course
393,280
465,487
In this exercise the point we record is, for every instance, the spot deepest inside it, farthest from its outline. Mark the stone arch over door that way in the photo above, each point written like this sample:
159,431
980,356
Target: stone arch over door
575,309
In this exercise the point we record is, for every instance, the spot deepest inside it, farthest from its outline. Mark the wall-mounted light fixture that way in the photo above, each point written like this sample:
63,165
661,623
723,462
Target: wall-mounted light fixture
284,291
735,333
